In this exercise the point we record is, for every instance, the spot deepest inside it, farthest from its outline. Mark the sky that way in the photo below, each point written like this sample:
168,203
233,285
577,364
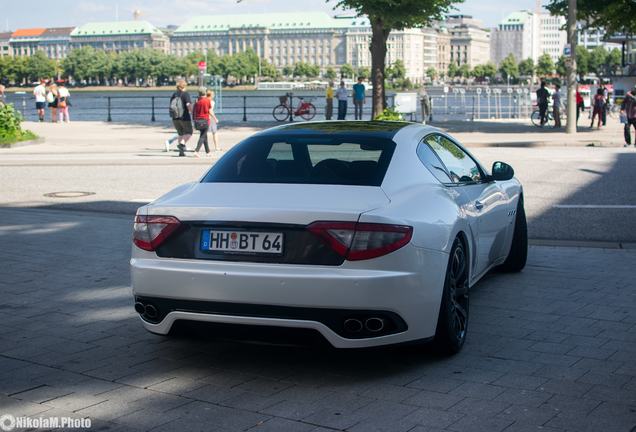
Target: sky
62,13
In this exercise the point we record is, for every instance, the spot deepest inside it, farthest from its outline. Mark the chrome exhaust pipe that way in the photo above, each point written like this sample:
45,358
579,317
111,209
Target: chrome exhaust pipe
352,325
374,324
140,308
151,311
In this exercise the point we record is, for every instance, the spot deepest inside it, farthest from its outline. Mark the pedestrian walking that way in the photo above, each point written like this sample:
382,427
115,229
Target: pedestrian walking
329,101
580,105
214,121
556,106
40,99
52,100
63,103
358,98
598,105
606,105
542,101
201,114
342,95
180,108
628,113
425,105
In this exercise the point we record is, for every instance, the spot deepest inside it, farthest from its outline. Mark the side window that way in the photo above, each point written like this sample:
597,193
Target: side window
461,167
432,162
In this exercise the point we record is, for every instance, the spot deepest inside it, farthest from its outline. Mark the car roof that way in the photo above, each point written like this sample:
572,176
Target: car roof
380,129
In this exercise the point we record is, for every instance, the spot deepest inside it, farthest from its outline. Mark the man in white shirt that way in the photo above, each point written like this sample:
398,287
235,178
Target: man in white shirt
342,95
40,99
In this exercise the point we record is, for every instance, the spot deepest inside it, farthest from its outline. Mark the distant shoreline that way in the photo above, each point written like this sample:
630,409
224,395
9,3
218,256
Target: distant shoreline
131,89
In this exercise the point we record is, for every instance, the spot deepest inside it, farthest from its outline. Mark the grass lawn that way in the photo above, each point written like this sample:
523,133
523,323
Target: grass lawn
24,136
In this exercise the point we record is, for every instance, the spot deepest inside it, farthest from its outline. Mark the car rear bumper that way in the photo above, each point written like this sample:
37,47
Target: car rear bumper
320,298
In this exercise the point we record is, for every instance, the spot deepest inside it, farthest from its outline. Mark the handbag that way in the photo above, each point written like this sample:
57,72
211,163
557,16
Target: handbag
201,124
623,118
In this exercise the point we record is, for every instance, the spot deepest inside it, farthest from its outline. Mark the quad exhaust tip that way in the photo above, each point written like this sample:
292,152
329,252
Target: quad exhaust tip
140,308
353,325
374,324
151,311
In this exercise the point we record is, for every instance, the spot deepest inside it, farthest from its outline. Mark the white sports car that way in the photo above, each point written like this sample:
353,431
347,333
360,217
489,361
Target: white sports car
369,233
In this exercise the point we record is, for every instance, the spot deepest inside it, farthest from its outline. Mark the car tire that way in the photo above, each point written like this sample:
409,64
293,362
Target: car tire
452,322
518,255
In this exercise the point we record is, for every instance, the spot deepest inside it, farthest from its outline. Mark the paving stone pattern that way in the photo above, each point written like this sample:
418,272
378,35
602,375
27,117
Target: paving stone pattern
552,349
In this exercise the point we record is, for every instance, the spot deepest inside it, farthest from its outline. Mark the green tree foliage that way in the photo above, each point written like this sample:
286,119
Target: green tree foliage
40,66
464,71
526,67
330,73
306,70
363,72
388,15
561,67
614,16
453,70
582,61
484,71
431,73
10,129
396,71
509,68
545,65
614,59
346,70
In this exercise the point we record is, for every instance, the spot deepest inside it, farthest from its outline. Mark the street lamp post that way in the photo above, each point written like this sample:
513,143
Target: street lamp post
571,26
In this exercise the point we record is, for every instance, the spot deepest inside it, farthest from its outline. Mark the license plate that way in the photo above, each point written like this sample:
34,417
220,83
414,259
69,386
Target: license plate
242,242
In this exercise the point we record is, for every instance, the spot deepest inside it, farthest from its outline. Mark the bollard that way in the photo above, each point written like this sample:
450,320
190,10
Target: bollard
153,110
244,108
110,119
291,107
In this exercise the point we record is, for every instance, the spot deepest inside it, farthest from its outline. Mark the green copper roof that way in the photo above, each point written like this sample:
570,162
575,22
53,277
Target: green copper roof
519,17
272,21
115,28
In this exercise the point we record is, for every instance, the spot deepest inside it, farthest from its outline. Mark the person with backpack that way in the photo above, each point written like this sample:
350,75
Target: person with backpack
180,108
598,107
542,101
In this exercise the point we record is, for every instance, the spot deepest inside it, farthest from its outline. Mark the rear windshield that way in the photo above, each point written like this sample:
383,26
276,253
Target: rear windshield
361,161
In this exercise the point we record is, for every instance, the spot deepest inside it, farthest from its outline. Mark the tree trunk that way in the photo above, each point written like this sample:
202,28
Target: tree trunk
379,37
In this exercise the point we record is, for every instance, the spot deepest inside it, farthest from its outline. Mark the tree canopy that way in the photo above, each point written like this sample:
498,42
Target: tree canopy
613,16
388,15
545,65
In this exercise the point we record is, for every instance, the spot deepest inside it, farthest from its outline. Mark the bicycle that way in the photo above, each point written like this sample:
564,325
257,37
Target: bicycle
283,111
535,117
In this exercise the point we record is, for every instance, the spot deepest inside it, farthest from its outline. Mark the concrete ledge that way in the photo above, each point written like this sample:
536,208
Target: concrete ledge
582,244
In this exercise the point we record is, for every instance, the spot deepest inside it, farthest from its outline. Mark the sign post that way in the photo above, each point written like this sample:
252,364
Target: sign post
202,68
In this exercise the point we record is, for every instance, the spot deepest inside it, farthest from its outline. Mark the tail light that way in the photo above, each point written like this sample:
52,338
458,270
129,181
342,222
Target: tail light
359,241
150,231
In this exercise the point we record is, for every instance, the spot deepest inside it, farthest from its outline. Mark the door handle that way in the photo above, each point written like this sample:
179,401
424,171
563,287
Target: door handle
479,205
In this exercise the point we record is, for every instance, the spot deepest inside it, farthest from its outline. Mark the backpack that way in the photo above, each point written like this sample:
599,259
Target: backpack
176,107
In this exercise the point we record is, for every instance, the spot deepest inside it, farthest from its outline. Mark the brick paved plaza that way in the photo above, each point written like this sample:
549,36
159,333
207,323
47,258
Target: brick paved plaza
550,349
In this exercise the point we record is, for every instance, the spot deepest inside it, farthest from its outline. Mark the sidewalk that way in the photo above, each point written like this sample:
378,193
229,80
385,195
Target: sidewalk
145,140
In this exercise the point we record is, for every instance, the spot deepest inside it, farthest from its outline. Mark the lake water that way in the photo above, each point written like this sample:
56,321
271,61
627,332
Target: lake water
136,106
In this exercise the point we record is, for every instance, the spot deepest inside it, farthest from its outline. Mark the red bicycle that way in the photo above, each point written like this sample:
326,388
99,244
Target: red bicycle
283,111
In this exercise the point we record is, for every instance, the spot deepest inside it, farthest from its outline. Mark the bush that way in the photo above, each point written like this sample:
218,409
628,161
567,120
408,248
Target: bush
389,114
10,129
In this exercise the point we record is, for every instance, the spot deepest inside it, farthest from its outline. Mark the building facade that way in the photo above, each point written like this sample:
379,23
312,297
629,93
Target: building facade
526,34
284,39
514,35
25,42
119,36
443,51
55,42
469,41
5,46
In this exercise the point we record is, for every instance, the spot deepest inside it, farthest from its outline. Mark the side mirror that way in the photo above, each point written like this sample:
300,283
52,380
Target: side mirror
501,171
